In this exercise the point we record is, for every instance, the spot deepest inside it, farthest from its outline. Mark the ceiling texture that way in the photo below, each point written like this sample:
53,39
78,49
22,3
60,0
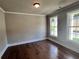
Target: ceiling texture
26,6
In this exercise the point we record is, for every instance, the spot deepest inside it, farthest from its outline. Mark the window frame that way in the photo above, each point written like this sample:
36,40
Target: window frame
48,26
70,24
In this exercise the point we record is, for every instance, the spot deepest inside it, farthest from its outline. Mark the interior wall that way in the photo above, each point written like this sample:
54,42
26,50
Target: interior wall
62,26
23,28
3,37
63,38
63,33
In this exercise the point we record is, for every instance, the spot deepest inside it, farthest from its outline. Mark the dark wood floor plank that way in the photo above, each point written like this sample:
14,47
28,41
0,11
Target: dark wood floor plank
40,50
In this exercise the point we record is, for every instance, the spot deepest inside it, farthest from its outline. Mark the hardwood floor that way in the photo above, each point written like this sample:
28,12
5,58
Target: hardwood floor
40,50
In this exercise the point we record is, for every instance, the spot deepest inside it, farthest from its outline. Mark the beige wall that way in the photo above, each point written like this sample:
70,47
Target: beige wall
3,38
23,28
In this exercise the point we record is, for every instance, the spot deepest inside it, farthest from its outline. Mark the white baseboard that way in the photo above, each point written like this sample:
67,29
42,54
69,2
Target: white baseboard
3,51
19,43
66,44
24,42
2,9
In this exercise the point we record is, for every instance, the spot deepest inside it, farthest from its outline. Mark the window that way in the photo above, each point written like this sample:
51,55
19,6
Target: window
74,26
53,26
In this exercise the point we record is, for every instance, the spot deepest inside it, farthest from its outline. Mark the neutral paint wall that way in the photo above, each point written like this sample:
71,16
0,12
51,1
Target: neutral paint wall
62,26
63,33
62,38
3,37
23,28
63,29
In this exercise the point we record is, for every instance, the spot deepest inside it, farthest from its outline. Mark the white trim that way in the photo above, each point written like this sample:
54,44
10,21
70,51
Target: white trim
10,12
3,51
25,42
2,9
67,44
23,13
19,43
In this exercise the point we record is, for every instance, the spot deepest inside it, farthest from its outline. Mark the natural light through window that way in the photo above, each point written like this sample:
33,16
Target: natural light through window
74,26
53,26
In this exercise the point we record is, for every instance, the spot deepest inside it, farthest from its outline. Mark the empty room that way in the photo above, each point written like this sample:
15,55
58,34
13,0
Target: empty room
39,29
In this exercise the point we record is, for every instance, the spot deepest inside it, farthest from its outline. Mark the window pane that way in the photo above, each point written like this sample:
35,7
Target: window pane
74,33
76,19
53,26
76,36
74,26
75,29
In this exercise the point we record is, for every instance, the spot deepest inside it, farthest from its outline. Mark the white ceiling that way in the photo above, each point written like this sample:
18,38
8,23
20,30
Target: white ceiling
25,6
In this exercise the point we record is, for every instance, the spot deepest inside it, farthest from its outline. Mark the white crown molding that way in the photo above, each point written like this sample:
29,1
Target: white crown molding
10,12
2,9
25,42
23,13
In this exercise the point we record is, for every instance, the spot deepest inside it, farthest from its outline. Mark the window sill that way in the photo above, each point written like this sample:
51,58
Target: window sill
53,37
